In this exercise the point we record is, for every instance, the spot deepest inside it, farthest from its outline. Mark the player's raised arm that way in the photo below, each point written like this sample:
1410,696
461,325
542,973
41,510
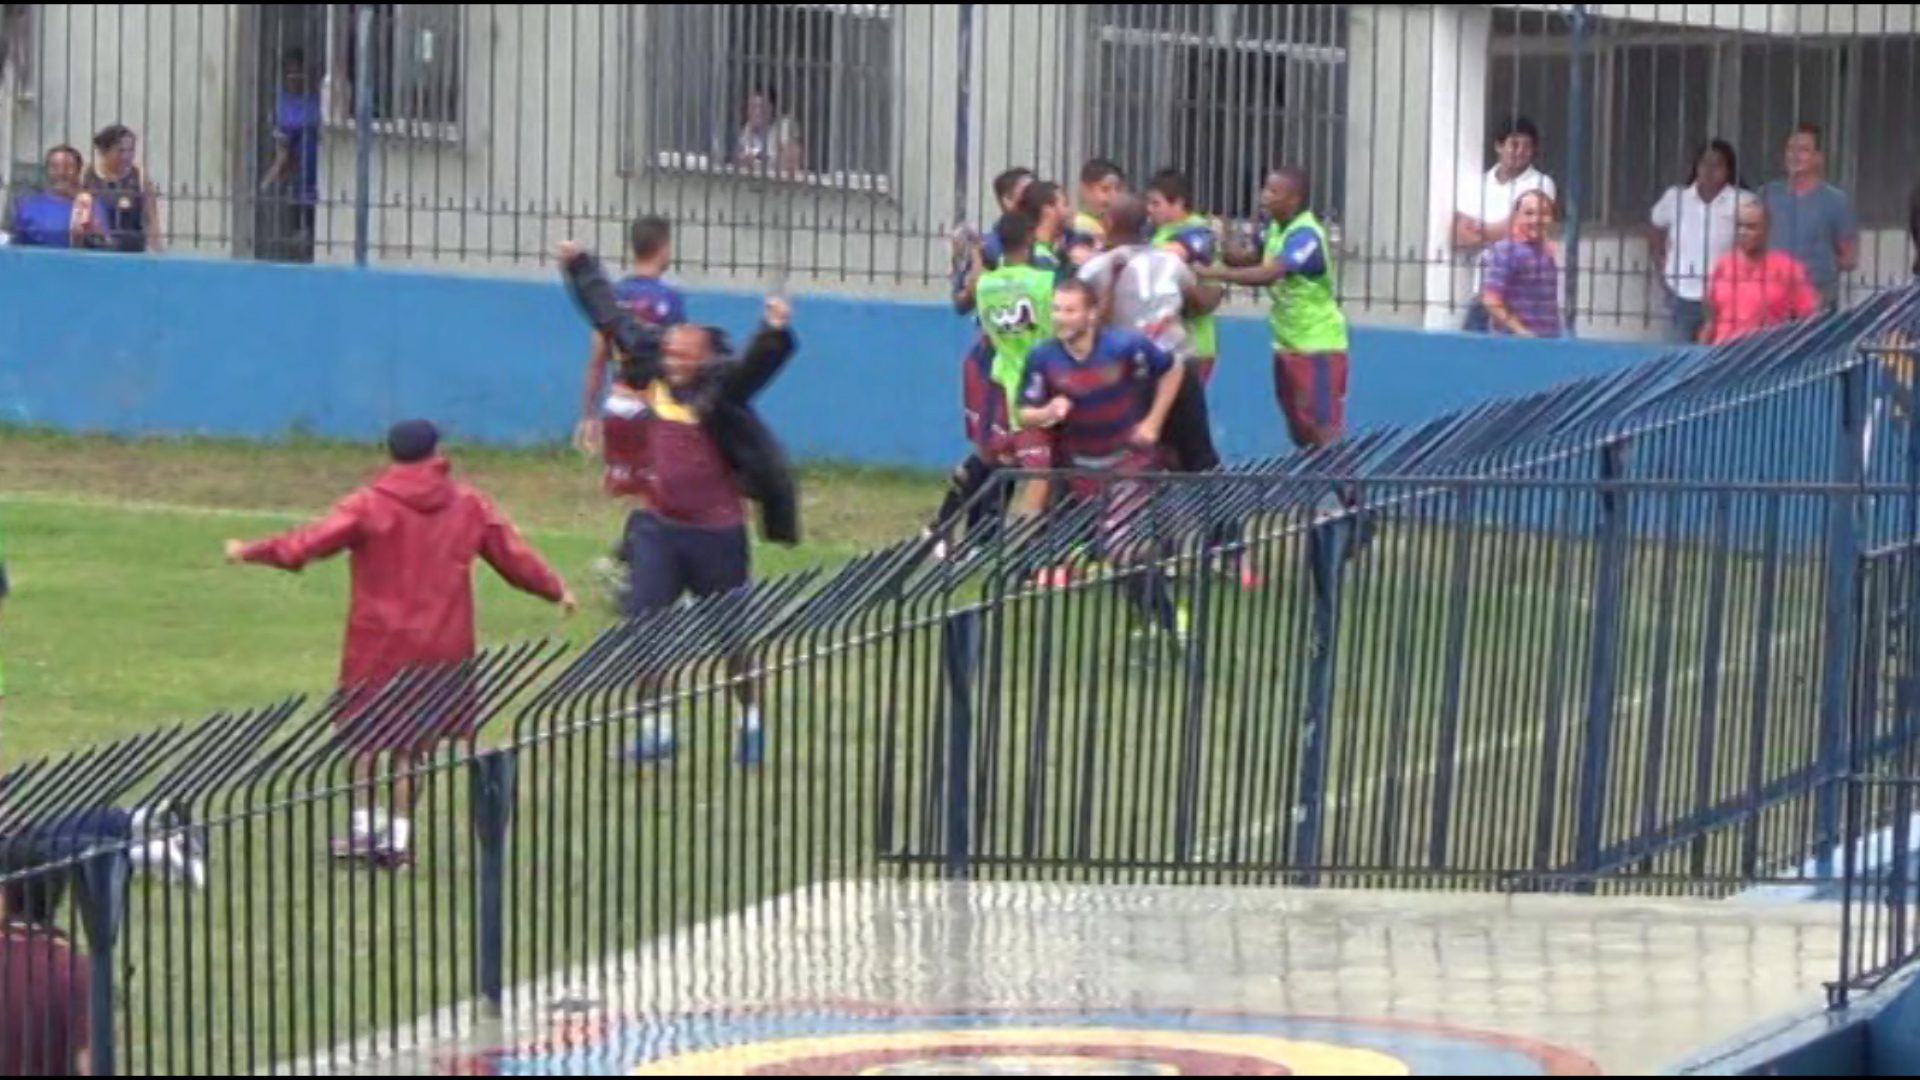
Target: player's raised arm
587,280
773,345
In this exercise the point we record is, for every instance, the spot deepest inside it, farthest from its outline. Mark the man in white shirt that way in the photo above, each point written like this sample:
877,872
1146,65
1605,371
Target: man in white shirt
1486,209
1693,226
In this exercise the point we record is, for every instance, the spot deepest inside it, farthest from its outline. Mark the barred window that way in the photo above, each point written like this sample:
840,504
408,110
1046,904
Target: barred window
1658,93
415,67
16,46
1651,106
1223,92
802,91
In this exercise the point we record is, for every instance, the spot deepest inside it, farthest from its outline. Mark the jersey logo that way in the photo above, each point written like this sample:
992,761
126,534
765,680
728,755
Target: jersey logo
1013,318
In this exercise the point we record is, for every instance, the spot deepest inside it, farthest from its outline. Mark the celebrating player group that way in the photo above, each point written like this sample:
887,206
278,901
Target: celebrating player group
1097,344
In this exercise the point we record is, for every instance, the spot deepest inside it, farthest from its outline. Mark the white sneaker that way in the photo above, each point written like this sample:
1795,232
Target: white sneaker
171,860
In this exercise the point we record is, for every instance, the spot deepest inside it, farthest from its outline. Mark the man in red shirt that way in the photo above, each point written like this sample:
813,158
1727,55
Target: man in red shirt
414,534
46,985
1753,288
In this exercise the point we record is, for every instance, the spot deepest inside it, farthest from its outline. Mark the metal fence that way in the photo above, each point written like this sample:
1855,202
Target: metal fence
1632,635
845,142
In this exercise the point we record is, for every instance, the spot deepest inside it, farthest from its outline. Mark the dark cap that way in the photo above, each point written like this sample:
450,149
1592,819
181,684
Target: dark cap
413,440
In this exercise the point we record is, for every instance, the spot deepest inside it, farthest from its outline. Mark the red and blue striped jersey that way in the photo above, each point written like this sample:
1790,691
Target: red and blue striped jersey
1112,391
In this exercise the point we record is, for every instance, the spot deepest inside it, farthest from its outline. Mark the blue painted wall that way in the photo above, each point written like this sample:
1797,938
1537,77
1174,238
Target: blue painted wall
185,346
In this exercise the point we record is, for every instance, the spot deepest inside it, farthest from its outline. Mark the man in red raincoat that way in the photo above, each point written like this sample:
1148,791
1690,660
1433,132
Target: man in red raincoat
414,534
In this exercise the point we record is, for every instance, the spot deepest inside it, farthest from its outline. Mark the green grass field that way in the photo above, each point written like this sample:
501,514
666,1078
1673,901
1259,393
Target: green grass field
124,614
1086,751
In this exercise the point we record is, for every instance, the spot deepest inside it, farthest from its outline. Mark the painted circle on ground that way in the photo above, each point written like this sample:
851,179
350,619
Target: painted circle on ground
1070,1051
876,1040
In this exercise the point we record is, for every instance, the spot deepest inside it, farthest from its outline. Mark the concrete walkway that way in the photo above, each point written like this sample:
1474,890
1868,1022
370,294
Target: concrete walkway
916,978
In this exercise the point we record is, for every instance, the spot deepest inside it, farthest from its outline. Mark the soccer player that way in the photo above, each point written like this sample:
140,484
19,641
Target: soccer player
1054,244
975,255
648,298
688,403
1309,329
414,534
1101,183
1107,394
1192,237
1015,305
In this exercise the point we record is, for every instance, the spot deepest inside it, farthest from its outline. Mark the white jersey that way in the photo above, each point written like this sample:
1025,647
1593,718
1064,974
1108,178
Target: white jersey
1147,287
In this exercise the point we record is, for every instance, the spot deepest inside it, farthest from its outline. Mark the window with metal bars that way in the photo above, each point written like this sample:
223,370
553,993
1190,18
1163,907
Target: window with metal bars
802,92
1223,92
415,67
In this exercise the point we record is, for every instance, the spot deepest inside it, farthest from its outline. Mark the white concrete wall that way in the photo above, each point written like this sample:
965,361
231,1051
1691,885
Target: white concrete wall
549,108
538,161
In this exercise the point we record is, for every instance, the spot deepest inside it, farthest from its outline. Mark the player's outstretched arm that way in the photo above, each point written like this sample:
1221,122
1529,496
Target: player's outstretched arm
767,354
293,550
518,564
593,292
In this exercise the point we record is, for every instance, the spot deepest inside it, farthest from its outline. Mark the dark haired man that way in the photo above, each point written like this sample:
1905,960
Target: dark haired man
691,451
1486,209
414,534
1811,218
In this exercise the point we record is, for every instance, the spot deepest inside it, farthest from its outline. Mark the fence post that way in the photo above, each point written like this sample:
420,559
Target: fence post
1844,555
959,650
362,131
102,899
1603,669
963,119
1577,112
1327,544
496,780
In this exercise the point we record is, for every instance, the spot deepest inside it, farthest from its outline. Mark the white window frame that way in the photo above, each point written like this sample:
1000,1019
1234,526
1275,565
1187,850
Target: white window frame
702,164
336,90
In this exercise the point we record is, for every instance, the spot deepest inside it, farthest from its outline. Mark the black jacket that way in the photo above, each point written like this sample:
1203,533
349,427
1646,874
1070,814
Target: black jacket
724,398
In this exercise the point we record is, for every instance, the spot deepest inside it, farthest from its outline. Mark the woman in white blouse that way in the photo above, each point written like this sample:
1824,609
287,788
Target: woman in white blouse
1693,226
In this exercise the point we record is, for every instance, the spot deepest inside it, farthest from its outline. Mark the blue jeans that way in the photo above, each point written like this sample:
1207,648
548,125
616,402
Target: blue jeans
1479,320
1689,316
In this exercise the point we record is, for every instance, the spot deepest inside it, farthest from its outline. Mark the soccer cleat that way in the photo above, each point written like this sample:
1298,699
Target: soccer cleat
375,853
614,581
753,747
172,861
656,744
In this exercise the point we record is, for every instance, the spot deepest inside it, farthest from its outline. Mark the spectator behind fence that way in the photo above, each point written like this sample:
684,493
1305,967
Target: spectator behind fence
1522,289
46,985
1913,228
768,140
1755,286
44,216
1487,207
1812,219
293,179
1693,226
118,208
414,535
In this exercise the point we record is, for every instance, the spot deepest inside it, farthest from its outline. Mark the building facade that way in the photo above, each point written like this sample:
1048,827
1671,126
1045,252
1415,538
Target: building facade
839,145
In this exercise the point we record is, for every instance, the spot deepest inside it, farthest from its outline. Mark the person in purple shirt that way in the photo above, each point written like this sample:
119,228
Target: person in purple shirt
43,217
1522,288
293,180
1104,395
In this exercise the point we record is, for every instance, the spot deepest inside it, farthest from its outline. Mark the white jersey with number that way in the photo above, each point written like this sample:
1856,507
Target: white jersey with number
1147,289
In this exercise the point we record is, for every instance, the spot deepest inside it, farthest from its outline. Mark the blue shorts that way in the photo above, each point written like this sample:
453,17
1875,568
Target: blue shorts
666,561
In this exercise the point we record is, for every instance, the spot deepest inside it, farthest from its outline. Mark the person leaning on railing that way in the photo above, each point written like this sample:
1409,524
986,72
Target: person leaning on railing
45,216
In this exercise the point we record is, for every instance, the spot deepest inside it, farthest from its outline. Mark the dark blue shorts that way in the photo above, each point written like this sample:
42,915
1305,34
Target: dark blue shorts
666,561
